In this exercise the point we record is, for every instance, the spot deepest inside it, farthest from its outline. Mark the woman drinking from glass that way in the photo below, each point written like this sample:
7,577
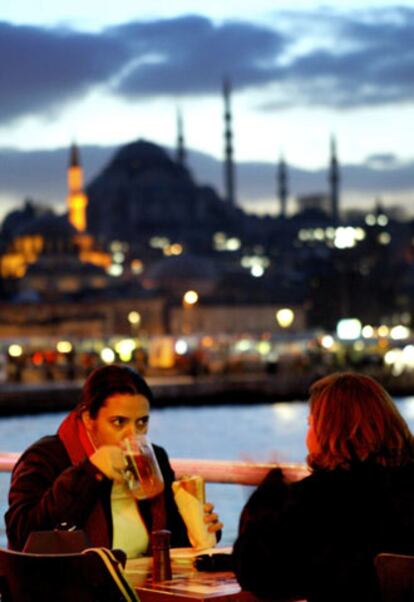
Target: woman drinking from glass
77,477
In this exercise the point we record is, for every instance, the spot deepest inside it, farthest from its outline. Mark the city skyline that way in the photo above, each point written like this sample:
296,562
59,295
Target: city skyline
299,75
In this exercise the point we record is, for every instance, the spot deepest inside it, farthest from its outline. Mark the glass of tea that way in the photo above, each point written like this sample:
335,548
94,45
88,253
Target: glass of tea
142,472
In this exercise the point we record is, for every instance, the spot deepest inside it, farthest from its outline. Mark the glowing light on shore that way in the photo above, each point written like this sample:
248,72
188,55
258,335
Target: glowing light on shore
327,341
367,331
134,318
181,347
64,346
257,271
349,329
15,350
399,332
190,298
383,330
125,349
285,317
400,360
107,355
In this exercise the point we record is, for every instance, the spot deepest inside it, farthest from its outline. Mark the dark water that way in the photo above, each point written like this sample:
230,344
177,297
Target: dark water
271,432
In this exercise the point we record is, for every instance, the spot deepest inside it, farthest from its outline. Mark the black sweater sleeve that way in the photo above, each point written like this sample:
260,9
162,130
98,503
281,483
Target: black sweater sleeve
47,490
266,558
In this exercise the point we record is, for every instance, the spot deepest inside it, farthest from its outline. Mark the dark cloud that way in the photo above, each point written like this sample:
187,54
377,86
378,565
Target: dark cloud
369,62
46,68
317,58
191,55
42,69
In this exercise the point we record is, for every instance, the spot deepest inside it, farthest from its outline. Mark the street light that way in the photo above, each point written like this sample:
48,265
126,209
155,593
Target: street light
190,299
285,317
134,318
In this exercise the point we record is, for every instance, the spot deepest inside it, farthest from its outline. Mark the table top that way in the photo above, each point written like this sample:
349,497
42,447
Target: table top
187,583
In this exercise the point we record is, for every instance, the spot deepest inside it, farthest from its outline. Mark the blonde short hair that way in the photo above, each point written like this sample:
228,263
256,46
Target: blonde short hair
355,420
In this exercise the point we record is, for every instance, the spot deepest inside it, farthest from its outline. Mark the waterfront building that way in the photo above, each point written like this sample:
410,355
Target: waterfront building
318,203
48,254
216,318
94,315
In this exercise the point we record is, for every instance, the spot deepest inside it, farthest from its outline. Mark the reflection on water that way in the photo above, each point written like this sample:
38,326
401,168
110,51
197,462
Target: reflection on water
406,407
258,432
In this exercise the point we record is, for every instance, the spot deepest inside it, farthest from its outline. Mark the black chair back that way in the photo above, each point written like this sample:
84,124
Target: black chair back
56,542
91,576
396,577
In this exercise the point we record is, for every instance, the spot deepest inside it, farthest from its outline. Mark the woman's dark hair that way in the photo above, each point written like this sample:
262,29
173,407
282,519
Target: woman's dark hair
355,420
108,380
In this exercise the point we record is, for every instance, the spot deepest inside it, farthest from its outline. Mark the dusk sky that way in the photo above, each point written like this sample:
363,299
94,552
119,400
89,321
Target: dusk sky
107,73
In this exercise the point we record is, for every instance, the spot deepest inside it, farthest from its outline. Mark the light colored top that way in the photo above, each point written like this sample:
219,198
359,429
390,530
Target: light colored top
129,531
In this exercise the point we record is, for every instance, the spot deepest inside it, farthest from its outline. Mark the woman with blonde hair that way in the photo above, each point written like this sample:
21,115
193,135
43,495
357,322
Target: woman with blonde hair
317,538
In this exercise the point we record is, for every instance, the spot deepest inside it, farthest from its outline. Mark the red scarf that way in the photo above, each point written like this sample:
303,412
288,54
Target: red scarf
72,433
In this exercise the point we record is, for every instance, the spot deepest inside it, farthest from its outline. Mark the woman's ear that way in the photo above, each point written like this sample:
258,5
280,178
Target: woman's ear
87,420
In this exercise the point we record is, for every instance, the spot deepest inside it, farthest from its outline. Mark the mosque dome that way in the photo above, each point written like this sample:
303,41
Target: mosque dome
19,219
141,155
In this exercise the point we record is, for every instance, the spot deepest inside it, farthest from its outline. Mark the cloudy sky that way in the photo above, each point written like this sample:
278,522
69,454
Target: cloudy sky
105,73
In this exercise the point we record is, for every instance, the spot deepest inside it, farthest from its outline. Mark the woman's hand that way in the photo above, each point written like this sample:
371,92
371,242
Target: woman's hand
109,459
211,518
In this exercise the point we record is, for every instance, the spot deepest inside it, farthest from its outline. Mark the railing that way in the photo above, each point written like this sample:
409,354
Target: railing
213,471
228,471
7,461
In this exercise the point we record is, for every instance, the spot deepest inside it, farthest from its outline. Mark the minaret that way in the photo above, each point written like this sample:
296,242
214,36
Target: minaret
181,153
282,186
378,208
76,199
334,182
228,145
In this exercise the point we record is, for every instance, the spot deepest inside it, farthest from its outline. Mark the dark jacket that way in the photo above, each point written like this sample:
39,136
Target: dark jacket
47,490
317,538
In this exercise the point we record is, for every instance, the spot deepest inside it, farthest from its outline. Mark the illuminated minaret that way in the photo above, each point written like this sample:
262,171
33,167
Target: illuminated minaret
334,182
228,145
282,186
76,199
181,154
